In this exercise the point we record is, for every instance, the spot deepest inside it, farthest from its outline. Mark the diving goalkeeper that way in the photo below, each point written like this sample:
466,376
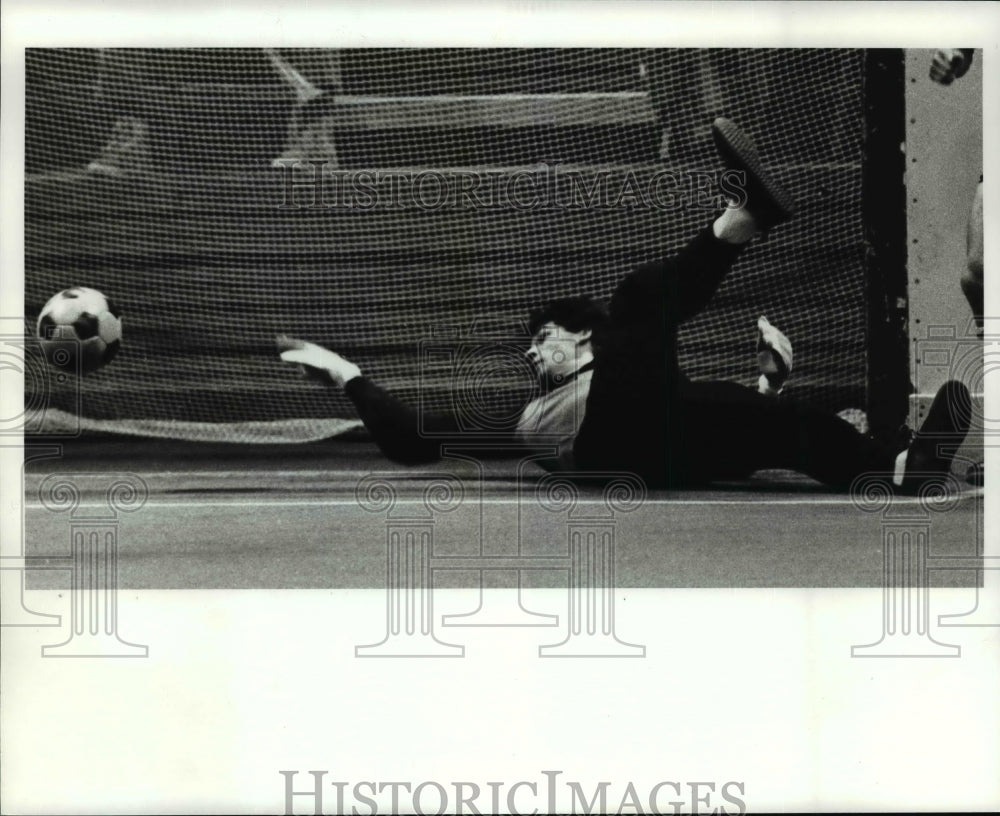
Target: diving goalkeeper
616,399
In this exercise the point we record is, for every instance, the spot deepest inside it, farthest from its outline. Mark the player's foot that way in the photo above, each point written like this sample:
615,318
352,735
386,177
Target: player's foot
767,201
127,150
930,454
310,135
774,357
316,361
974,475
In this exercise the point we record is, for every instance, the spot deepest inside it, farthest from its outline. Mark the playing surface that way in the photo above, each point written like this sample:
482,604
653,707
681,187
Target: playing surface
221,517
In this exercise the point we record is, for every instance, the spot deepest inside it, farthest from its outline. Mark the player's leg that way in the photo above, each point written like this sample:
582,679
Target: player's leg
680,287
682,85
127,150
725,429
629,422
730,431
972,287
310,129
972,279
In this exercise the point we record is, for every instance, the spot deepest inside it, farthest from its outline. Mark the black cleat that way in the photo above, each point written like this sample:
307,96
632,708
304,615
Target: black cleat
769,203
934,445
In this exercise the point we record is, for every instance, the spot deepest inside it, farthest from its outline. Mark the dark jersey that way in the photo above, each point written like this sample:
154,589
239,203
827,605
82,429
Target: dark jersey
550,422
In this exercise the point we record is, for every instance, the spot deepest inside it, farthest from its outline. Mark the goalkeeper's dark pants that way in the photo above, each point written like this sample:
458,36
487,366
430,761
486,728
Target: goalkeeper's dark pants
643,416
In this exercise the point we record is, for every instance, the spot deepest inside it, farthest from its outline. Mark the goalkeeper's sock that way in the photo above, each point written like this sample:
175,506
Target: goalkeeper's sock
899,472
735,226
764,387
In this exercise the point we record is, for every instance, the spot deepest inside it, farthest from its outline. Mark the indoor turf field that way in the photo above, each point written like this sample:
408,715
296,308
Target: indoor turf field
233,516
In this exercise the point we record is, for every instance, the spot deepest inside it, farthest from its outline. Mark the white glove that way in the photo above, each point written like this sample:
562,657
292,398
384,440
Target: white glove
316,361
774,356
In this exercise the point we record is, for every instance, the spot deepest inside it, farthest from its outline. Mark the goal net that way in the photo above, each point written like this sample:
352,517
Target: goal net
383,202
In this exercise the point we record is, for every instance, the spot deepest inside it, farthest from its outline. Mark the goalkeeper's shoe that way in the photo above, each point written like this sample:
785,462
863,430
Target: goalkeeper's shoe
127,150
774,357
933,447
767,201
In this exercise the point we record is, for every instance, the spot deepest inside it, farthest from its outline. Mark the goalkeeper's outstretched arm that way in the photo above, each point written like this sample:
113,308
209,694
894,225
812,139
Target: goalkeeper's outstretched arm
401,433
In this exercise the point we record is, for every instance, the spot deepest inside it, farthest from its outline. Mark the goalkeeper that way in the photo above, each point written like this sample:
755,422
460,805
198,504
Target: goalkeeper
620,401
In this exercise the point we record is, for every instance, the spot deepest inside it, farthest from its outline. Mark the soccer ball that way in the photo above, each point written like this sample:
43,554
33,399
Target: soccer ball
79,330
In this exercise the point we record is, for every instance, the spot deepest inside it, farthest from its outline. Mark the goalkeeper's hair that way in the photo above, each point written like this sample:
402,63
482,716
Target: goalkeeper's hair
574,314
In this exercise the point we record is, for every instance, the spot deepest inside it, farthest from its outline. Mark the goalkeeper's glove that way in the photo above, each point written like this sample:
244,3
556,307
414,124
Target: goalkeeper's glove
774,356
316,361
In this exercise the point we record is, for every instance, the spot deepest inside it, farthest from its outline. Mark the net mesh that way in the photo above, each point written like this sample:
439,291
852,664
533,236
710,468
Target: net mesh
461,189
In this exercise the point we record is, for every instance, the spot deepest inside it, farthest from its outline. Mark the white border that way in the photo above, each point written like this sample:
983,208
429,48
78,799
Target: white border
738,685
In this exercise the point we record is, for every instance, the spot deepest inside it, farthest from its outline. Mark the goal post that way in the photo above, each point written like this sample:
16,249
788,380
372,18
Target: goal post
884,203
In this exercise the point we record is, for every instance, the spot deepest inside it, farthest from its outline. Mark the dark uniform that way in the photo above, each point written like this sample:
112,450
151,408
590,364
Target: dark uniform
636,412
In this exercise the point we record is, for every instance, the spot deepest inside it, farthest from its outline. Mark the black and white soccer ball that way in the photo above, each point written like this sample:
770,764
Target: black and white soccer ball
79,330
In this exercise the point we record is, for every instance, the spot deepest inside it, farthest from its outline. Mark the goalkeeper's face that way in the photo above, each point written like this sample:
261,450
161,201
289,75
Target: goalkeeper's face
557,352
